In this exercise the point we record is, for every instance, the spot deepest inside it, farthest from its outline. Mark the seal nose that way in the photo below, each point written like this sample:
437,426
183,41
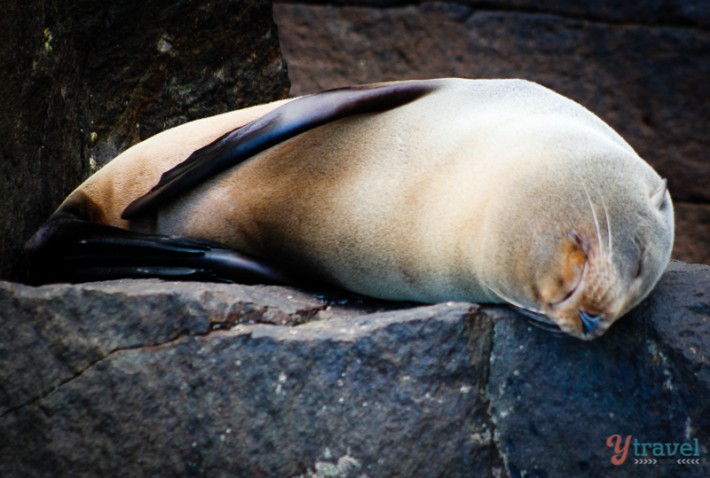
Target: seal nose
590,323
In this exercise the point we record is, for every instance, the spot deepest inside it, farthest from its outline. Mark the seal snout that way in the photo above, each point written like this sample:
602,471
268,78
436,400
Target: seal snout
583,303
590,323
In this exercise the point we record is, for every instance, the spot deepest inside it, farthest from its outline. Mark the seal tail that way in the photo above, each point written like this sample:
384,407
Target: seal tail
69,249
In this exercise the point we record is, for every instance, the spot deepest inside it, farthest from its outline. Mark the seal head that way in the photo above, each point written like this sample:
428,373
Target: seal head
581,249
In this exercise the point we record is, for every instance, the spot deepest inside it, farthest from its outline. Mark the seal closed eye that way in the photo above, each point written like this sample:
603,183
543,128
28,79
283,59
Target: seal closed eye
436,190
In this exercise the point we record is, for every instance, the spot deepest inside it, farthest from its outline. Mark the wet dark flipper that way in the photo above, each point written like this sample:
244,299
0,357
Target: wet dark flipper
68,249
282,123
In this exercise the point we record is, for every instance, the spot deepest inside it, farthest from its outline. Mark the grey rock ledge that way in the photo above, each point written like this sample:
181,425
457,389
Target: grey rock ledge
150,378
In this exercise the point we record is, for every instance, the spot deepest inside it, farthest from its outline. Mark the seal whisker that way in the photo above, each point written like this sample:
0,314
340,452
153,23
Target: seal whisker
540,321
515,303
594,216
610,243
534,316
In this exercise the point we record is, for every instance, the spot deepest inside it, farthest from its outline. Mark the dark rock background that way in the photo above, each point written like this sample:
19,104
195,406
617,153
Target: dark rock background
83,80
642,66
175,379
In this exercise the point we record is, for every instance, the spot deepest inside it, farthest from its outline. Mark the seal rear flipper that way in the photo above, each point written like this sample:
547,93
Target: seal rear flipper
284,122
68,249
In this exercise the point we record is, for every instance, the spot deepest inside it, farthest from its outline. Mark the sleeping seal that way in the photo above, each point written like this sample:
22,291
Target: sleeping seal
439,190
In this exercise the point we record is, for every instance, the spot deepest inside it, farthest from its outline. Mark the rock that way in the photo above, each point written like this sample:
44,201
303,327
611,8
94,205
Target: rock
554,403
692,225
645,12
147,378
82,81
642,67
52,330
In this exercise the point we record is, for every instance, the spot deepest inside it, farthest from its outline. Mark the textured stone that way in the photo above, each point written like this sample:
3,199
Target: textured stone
50,330
554,403
253,400
150,378
83,80
642,67
692,240
645,12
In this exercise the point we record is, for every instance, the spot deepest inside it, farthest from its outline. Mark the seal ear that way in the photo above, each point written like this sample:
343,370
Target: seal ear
658,197
287,121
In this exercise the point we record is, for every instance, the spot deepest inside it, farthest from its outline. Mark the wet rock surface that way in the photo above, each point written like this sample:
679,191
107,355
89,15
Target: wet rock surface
151,378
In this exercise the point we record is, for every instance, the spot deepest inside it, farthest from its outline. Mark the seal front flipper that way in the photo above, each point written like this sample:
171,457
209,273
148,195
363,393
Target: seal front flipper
287,121
69,249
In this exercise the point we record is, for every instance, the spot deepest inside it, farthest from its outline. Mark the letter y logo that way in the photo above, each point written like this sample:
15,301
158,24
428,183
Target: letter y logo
621,449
